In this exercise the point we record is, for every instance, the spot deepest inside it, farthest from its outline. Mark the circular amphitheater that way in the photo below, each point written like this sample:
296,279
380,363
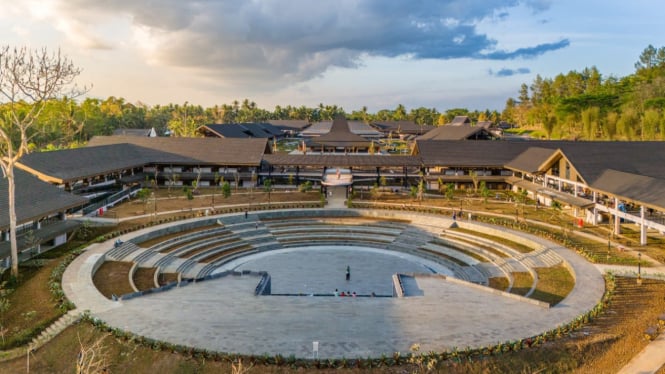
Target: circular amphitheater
272,283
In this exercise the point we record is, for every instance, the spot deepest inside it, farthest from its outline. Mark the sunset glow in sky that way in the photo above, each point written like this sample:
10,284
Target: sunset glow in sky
377,53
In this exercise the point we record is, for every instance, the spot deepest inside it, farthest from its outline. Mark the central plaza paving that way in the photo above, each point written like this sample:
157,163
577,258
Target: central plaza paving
224,315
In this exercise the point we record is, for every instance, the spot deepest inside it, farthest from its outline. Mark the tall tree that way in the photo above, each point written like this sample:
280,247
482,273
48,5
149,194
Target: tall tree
28,79
400,113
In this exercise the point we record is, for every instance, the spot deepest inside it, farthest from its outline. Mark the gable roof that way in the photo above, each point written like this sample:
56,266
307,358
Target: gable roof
363,129
592,158
290,124
341,136
242,130
34,199
460,120
216,151
635,187
402,127
73,164
457,153
134,132
455,132
531,159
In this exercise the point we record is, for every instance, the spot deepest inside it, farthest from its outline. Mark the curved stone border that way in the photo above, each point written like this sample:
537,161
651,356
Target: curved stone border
77,283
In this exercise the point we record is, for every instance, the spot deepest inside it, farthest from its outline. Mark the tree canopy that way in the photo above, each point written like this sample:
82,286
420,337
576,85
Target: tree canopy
586,105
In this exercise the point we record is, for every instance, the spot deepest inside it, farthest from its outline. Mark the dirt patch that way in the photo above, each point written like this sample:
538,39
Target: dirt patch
144,278
179,204
112,278
25,315
166,278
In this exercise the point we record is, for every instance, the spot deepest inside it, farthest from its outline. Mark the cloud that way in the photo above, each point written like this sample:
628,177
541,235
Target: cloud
538,6
505,72
271,43
526,52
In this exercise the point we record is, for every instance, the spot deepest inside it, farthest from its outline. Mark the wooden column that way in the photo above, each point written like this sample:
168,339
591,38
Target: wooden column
643,227
617,219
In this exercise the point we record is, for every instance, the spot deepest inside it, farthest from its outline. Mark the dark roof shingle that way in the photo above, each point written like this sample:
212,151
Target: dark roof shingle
34,199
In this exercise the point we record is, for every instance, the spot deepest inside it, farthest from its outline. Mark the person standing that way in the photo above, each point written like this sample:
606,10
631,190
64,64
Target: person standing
348,272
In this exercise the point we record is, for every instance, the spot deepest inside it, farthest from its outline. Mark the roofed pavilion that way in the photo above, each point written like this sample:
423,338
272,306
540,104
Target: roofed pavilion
340,139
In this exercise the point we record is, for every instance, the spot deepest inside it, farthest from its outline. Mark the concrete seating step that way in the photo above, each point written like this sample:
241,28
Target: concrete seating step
188,237
123,250
475,239
452,253
318,237
342,229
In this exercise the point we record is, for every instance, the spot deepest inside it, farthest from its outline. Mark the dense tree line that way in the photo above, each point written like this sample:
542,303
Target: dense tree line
585,105
64,122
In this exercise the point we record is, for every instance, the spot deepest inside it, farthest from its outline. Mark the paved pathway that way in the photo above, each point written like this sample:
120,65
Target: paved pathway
336,197
224,314
649,360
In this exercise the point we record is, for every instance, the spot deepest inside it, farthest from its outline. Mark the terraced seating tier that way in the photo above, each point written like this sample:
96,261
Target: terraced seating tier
175,242
337,229
123,250
319,239
204,247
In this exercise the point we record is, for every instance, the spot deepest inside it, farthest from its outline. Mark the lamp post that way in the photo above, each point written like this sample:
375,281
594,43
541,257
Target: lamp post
609,245
154,201
639,268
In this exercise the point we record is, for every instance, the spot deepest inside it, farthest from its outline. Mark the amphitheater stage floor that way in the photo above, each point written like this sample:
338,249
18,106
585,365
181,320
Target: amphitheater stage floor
322,269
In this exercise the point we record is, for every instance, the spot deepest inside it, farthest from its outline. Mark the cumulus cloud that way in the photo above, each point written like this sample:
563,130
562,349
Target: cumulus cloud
270,42
505,72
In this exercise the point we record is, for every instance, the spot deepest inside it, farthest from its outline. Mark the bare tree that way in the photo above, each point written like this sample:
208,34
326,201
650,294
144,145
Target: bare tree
28,79
92,358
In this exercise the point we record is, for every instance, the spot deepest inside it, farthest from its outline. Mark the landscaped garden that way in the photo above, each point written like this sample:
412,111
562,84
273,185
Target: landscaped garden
602,341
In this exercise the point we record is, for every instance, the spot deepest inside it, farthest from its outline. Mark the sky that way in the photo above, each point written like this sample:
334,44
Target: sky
439,54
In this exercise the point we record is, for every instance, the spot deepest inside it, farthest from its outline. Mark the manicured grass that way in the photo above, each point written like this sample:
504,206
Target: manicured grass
498,283
522,283
554,284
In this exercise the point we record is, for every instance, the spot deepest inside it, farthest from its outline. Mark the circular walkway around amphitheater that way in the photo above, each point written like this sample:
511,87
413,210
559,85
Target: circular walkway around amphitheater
224,315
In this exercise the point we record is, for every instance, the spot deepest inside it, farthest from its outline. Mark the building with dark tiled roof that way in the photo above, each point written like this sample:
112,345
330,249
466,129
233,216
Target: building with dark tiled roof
460,120
340,138
242,130
459,132
41,216
401,128
291,126
618,181
150,133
